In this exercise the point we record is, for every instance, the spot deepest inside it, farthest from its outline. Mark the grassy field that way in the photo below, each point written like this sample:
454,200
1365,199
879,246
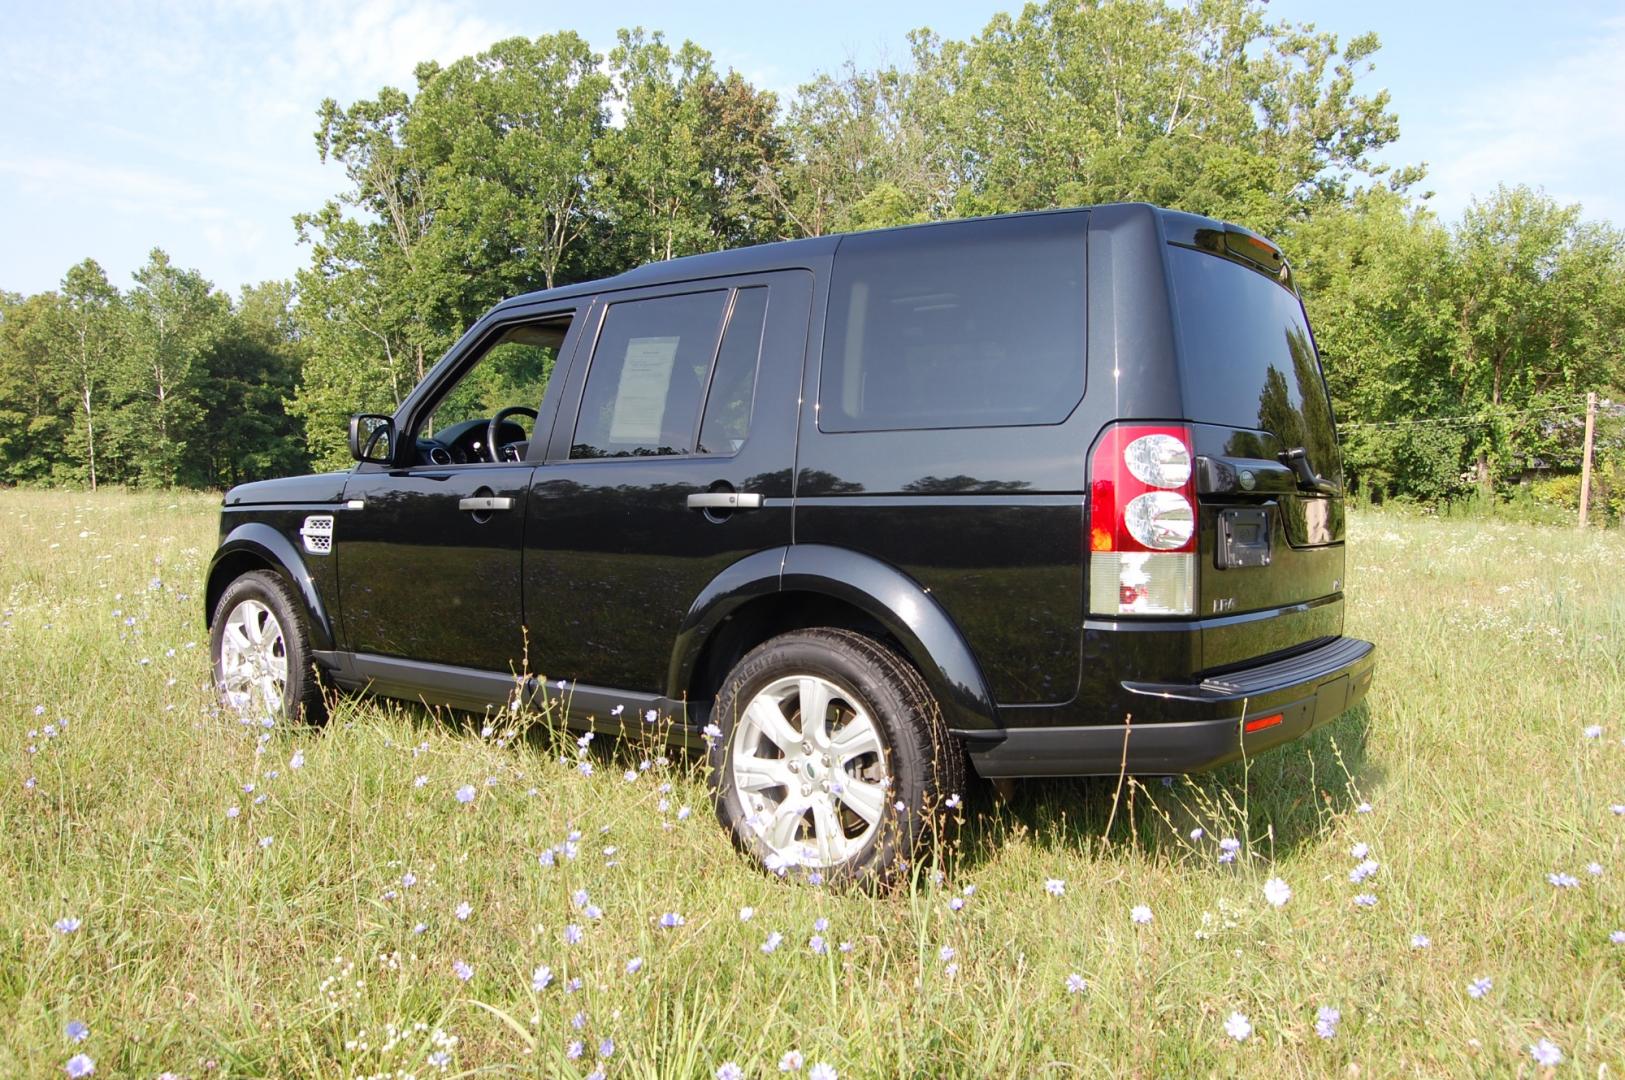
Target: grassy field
214,900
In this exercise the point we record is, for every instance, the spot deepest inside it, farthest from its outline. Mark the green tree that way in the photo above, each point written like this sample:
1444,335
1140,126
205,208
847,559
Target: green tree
33,427
85,340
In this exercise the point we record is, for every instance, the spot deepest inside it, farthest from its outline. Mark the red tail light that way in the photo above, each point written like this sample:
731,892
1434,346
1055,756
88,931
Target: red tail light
1142,521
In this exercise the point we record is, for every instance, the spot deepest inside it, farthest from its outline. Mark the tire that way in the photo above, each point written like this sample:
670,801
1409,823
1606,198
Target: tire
853,802
260,646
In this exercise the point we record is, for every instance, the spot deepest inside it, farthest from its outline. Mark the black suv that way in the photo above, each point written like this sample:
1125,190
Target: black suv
1054,494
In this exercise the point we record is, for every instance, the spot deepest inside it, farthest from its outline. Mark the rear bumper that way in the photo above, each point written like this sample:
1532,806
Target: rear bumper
1180,728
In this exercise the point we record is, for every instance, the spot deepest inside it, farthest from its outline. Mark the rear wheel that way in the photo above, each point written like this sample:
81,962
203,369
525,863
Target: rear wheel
833,757
261,652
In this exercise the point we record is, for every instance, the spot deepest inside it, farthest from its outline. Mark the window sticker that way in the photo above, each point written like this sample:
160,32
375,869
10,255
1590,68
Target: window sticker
640,397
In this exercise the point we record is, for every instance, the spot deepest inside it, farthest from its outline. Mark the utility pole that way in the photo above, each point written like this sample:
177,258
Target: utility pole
1585,460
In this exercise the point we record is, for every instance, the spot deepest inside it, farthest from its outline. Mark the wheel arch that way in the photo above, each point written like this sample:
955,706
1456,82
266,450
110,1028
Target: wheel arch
257,546
805,585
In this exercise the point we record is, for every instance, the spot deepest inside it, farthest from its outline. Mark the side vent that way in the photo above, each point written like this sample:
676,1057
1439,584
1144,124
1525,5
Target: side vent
318,534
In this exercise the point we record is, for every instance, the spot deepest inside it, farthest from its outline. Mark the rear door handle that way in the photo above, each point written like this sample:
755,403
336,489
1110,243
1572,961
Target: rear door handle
725,500
484,504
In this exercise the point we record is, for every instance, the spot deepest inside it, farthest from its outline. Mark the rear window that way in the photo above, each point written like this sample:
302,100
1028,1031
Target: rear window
972,324
1247,358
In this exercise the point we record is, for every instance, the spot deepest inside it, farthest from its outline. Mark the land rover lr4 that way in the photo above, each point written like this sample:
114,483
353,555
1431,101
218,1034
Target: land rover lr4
1050,494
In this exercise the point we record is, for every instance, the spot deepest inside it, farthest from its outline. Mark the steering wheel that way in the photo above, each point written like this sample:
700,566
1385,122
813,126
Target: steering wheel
494,428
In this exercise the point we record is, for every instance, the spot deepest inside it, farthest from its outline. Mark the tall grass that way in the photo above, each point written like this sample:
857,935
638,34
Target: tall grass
285,941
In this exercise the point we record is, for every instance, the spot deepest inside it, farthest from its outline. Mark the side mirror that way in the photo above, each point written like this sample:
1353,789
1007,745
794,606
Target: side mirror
372,438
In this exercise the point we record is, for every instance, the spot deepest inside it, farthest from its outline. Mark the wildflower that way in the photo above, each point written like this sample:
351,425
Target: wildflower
729,1071
1618,809
466,793
233,811
846,946
408,880
953,801
1363,808
1365,900
540,978
1593,731
1277,892
634,965
1594,869
1561,880
1140,914
649,716
818,945
671,920
440,1059
1546,1052
1228,848
420,781
606,1047
593,911
297,761
791,1061
66,925
1617,937
617,710
1420,941
1326,1021
461,969
823,1071
76,1031
946,953
1076,984
464,910
585,768
573,985
265,841
1197,834
1055,887
711,731
1360,850
575,1049
630,776
957,903
746,914
572,934
1479,987
80,1065
773,941
1238,1027
1363,871
683,813
420,928
951,970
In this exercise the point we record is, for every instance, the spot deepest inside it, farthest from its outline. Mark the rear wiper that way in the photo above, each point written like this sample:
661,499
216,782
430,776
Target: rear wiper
1297,459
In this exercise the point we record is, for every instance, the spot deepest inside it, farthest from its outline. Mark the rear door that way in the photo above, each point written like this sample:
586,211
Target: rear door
671,460
1271,519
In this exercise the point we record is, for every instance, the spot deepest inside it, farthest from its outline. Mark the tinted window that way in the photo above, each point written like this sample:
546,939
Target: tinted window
513,370
733,387
1247,357
647,376
973,324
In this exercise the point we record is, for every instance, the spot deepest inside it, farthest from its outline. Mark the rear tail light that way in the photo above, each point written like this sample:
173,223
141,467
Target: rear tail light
1142,522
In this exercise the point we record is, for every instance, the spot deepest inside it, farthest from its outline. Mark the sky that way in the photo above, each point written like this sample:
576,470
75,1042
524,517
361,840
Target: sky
189,125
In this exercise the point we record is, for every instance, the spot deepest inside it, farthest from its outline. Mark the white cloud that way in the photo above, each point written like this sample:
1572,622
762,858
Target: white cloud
1561,127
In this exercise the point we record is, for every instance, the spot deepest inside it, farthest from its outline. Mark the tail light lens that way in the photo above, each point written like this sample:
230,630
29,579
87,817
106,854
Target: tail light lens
1142,522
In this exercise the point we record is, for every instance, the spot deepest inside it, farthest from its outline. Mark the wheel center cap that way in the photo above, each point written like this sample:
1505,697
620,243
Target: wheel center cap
812,771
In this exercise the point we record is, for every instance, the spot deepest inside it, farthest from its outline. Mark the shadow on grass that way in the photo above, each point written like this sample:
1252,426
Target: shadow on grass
1276,803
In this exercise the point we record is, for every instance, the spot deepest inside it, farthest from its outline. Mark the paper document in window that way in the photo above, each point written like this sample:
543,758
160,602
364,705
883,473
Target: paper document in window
640,399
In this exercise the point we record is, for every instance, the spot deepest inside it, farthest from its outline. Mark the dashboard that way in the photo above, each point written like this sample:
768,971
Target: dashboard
464,443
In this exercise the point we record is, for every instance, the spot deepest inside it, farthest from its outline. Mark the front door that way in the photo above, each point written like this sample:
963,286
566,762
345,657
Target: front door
429,553
676,462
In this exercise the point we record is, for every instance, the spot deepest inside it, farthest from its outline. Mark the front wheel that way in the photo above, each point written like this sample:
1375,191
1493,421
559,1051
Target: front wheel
833,756
261,652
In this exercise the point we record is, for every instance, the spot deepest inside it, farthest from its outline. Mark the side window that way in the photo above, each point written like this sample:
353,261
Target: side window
511,373
970,324
733,386
658,361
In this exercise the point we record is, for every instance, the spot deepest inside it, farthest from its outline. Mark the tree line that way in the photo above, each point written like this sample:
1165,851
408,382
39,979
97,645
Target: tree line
539,162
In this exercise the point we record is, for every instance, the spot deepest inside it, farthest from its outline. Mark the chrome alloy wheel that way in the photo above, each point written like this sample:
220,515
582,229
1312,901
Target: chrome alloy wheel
253,670
810,767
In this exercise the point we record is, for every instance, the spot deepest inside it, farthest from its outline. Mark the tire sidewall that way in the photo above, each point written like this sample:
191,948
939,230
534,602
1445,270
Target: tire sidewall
300,700
804,654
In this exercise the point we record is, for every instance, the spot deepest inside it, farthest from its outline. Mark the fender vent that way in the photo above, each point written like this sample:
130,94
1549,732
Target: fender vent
318,534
